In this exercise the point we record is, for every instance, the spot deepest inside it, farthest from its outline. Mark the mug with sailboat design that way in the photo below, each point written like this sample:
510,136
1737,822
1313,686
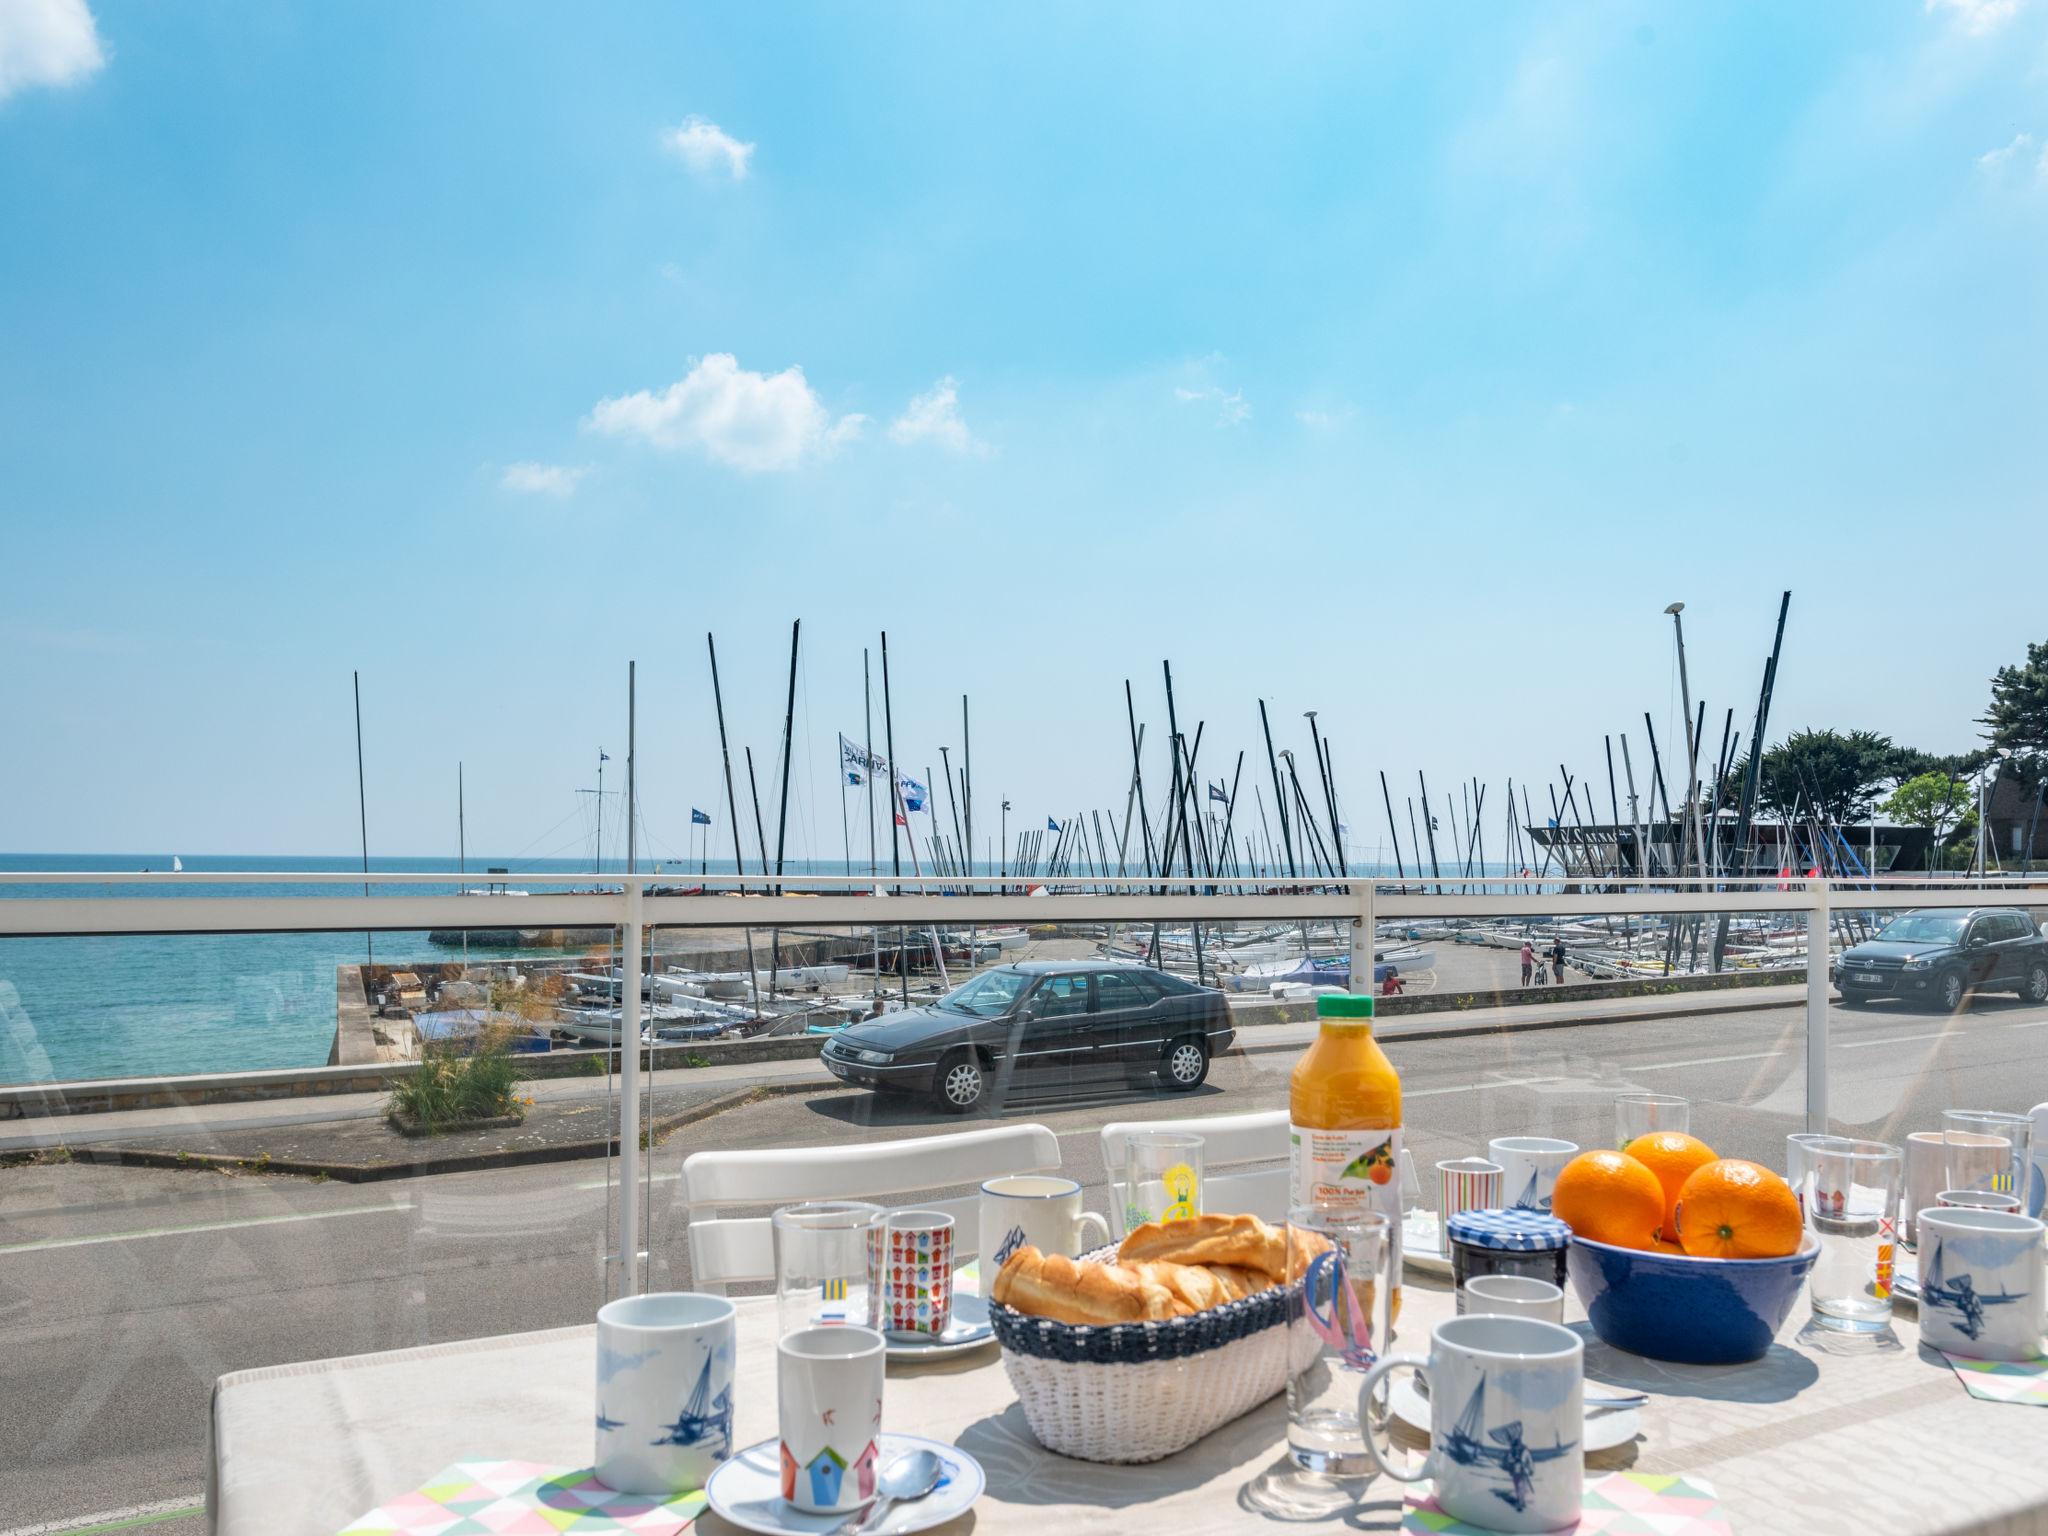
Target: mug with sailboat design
1509,1459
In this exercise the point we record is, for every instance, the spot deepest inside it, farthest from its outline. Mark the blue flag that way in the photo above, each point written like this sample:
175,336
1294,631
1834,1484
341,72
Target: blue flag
913,793
1051,825
1216,793
698,818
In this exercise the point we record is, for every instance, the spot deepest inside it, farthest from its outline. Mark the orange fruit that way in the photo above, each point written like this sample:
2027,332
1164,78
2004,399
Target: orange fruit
1731,1209
1609,1197
1672,1156
1665,1245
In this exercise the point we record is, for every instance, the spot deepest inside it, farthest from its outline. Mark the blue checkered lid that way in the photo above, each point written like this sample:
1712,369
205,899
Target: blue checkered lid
1519,1231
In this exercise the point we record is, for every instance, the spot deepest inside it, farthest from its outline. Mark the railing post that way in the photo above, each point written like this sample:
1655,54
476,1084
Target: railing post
1362,938
629,1093
1817,1007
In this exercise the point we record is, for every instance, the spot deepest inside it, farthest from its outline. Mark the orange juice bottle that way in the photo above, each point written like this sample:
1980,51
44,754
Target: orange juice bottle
1344,1105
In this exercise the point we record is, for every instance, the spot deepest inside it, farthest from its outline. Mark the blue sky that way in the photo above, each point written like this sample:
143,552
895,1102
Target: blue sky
1362,358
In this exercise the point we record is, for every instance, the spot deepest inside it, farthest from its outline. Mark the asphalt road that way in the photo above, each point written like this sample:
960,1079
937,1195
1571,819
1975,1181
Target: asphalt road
125,1292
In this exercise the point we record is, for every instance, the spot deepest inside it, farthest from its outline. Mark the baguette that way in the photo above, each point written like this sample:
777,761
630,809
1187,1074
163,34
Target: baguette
1052,1285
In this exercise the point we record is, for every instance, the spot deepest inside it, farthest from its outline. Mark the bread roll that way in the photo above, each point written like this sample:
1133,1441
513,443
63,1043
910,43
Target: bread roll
1242,1241
1054,1286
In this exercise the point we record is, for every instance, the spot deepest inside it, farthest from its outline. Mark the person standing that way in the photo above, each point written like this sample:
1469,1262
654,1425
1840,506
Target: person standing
1528,960
1557,960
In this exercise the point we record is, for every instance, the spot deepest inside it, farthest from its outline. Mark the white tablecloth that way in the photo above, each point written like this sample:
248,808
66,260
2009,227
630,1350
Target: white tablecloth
1882,1441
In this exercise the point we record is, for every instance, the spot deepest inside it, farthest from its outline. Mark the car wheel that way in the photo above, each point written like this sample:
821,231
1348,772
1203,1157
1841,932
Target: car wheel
2035,989
1186,1066
962,1083
1948,990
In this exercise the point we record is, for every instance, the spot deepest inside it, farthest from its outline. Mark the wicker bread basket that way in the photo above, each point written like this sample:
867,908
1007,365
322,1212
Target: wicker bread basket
1133,1392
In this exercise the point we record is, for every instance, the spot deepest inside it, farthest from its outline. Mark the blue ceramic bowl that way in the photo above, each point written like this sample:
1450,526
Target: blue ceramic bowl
1695,1311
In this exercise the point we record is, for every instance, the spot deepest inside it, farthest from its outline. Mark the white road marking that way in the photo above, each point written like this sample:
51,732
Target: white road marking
42,1243
1939,1034
114,1519
1706,1061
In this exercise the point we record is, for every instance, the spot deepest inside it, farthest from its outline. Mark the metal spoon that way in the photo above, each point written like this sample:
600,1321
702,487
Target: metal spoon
910,1476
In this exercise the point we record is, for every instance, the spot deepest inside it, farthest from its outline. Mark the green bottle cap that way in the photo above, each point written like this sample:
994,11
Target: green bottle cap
1343,1005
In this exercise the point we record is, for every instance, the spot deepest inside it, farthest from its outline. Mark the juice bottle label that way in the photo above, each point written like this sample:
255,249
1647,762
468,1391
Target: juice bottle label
1349,1170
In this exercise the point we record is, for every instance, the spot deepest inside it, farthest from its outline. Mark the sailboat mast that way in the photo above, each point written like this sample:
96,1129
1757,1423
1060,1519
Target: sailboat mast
363,812
732,805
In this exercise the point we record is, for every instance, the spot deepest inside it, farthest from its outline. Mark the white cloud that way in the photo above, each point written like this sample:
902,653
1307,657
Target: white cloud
1231,408
46,42
531,479
1317,420
1977,16
934,417
752,421
708,149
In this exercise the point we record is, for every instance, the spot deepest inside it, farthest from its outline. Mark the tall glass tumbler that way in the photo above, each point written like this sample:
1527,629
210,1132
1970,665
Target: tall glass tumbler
827,1255
1162,1177
1988,1150
1638,1114
1340,1269
1852,1209
1799,1160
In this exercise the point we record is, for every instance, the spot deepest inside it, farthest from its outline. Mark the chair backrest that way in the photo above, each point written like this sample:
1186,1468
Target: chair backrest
733,1250
1229,1143
2035,1198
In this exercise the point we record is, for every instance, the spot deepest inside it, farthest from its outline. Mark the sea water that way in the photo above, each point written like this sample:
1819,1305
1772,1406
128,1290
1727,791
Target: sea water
154,1004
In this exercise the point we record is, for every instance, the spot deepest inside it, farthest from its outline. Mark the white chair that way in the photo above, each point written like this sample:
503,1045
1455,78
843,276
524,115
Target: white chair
1229,1143
2034,1200
735,1250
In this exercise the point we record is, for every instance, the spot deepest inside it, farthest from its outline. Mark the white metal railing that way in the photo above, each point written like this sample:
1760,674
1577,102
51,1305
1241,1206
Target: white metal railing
919,901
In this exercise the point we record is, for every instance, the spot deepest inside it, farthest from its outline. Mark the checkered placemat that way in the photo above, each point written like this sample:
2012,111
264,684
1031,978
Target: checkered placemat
524,1498
1619,1504
2004,1381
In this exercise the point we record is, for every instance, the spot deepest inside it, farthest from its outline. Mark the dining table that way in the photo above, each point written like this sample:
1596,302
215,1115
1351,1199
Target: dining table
1820,1436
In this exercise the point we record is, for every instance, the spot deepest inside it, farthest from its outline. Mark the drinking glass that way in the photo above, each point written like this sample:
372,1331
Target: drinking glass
1340,1271
1852,1209
1799,1160
1638,1114
1988,1150
1162,1177
825,1259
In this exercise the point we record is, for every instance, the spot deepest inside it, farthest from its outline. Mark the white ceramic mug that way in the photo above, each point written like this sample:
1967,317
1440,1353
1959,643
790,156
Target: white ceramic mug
1507,1416
828,1406
664,1391
1928,1157
1982,1289
1529,1166
1033,1210
1978,1200
1511,1296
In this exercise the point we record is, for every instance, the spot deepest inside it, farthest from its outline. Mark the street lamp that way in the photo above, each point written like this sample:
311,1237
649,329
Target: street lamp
1005,867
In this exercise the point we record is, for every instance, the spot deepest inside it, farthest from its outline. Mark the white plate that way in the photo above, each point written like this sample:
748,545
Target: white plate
747,1490
968,1328
1603,1431
1422,1243
1906,1273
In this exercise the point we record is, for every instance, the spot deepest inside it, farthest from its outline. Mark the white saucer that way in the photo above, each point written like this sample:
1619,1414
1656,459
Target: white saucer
747,1490
968,1328
1603,1431
1422,1243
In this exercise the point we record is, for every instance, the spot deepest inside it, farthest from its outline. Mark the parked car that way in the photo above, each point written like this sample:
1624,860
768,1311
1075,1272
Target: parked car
1046,1024
1936,956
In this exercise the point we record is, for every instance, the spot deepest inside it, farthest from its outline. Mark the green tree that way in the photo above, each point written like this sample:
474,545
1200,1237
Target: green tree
1826,773
2018,717
1939,802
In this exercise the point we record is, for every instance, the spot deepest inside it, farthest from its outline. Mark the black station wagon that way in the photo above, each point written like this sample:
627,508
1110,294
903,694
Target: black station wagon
1044,1024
